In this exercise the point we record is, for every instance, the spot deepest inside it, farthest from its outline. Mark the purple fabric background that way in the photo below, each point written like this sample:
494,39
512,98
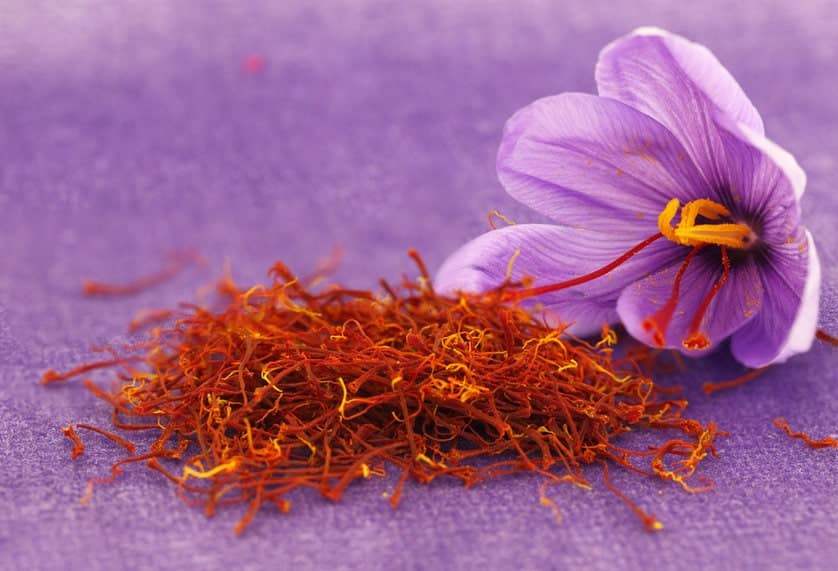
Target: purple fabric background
126,131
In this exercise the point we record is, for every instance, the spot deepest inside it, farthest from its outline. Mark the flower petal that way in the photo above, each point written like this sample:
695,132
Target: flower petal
576,150
682,85
788,321
762,179
781,158
738,301
551,254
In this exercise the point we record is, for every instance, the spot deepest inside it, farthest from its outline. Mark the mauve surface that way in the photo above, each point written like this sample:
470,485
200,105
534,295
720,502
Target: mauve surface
129,129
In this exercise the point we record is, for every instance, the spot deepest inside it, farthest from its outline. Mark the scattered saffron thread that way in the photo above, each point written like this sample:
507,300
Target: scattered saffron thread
127,444
148,317
281,387
177,262
826,442
649,521
78,445
710,388
52,376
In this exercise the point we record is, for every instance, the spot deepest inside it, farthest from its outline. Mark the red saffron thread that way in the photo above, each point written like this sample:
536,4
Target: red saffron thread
78,445
650,522
710,388
52,376
696,339
148,317
177,262
658,323
826,442
518,295
283,388
116,438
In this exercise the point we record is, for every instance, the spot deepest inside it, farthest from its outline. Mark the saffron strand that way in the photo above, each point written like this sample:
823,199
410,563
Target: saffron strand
116,438
177,263
826,442
518,295
78,445
52,376
710,388
696,339
659,322
650,522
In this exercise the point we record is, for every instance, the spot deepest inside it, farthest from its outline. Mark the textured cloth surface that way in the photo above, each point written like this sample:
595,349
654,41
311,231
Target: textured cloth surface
128,129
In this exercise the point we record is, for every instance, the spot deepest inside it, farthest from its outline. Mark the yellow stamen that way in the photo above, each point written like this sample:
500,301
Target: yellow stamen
665,219
731,235
688,233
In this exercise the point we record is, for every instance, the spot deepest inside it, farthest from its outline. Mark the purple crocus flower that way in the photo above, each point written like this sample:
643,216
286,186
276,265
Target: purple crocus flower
681,216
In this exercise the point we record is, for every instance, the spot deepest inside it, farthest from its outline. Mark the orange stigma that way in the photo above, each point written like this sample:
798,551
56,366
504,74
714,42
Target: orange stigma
659,322
696,339
534,291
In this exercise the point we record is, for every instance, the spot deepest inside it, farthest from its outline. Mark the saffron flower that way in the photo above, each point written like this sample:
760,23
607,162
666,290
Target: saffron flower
675,214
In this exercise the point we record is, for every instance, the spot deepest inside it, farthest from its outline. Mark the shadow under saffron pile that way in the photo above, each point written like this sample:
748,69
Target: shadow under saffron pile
288,386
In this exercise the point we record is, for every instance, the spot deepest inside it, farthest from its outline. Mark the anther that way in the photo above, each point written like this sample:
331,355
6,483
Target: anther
688,233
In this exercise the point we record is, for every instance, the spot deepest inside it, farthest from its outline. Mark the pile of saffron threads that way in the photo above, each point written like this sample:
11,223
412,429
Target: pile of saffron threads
290,386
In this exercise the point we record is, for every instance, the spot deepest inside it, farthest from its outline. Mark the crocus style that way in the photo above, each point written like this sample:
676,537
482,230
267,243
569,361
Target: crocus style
667,172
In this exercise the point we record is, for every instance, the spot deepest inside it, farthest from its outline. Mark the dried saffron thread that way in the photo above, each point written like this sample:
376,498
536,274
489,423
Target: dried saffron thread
149,317
116,438
281,388
710,388
78,445
650,522
52,376
826,442
176,263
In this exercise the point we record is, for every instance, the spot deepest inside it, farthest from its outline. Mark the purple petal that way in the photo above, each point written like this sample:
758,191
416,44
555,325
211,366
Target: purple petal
682,85
551,254
774,155
738,301
787,323
594,163
764,183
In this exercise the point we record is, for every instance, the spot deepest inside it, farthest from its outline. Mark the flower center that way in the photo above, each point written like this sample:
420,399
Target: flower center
688,233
